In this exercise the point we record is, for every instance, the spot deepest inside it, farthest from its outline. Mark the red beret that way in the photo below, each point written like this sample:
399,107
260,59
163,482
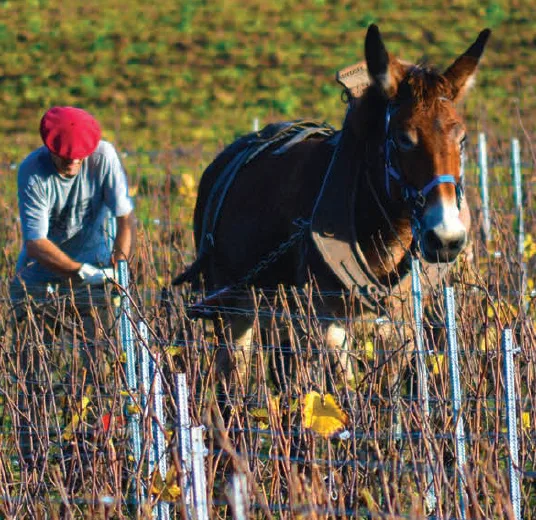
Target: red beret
71,133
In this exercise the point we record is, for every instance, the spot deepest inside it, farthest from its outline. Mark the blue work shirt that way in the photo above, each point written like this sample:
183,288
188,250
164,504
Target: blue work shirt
70,212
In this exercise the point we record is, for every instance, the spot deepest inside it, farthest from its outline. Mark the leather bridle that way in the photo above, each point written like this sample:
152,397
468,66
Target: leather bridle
416,198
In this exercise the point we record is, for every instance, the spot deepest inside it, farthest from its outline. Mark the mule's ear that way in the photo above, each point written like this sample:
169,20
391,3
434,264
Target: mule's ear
384,70
461,74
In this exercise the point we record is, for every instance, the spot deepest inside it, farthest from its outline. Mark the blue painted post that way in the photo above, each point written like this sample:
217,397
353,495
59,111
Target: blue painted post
158,435
146,382
145,362
184,438
483,168
518,202
111,231
518,195
198,467
240,496
128,344
422,372
511,420
454,369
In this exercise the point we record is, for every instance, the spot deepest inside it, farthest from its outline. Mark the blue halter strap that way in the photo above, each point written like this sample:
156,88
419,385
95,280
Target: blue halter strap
409,192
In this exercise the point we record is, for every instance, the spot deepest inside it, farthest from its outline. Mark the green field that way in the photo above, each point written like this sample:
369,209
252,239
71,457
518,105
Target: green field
191,74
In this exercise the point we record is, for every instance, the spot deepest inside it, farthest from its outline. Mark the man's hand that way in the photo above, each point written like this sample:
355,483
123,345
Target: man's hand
116,257
91,275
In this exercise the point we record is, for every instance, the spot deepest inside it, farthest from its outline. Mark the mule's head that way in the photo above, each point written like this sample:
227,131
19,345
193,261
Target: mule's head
424,142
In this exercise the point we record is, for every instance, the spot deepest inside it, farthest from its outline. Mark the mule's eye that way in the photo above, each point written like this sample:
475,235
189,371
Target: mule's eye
405,141
463,142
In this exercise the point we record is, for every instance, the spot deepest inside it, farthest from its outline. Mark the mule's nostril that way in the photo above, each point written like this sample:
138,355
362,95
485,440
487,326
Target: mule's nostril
456,245
442,248
431,241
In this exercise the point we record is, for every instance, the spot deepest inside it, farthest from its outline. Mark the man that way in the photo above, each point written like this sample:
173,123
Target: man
66,190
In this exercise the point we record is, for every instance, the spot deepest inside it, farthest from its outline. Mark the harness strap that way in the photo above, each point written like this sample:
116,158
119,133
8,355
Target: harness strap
333,228
298,138
245,150
409,192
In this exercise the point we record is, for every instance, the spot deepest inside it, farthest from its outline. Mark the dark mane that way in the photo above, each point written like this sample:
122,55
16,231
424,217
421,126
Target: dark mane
422,85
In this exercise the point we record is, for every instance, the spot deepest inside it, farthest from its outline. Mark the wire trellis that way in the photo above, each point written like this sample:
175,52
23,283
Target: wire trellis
65,401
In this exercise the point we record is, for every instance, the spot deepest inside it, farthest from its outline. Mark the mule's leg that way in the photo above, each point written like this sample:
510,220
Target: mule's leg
337,342
234,354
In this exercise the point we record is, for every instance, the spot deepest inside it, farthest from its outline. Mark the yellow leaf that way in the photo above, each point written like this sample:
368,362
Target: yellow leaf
175,351
273,403
504,310
157,484
324,417
133,409
68,433
187,187
171,475
171,493
369,501
369,350
525,420
529,247
294,405
123,357
489,338
169,490
263,414
435,362
259,413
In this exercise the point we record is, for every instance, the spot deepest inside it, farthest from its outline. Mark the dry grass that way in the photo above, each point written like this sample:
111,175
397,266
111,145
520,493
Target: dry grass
383,468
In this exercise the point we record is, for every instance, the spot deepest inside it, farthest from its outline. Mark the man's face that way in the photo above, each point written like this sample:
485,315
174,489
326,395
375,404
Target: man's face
66,167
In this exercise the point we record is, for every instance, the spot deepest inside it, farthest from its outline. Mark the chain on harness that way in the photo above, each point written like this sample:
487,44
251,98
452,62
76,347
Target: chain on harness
275,254
416,197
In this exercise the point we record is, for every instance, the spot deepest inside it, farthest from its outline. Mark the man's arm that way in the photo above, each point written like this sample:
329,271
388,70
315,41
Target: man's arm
52,257
124,239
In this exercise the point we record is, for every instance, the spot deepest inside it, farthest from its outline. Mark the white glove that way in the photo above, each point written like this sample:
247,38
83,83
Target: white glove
91,275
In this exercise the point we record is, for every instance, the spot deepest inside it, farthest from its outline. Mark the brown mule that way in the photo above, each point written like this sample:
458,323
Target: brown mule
389,184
